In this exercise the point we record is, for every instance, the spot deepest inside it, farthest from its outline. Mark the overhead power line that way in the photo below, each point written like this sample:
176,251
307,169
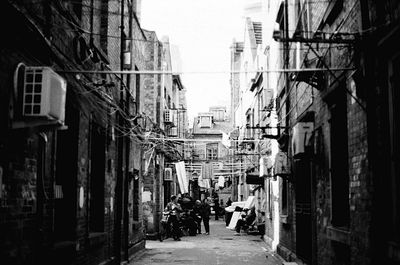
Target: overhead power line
160,72
200,140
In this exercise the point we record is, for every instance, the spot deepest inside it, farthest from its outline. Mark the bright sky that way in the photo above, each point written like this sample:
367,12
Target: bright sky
203,30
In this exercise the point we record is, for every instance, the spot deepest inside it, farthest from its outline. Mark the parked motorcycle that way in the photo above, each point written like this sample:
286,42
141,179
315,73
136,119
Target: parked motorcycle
165,227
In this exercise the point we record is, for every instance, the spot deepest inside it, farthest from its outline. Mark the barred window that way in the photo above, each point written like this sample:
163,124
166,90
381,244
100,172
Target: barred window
212,151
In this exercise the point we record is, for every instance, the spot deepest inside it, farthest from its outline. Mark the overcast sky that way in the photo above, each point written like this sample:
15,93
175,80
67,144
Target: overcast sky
203,30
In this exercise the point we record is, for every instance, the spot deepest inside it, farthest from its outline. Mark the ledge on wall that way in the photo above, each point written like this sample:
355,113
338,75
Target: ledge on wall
338,234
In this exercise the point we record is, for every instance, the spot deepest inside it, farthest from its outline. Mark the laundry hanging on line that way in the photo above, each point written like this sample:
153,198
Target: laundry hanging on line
207,171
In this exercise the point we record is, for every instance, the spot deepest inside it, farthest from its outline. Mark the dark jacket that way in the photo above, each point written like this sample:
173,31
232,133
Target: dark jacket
197,209
205,210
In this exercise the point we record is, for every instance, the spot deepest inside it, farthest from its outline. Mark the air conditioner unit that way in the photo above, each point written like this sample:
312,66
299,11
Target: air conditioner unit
173,131
168,174
168,116
44,94
301,136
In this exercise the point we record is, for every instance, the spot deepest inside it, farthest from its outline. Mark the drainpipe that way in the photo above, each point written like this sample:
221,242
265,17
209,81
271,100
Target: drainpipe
120,147
127,153
41,197
286,62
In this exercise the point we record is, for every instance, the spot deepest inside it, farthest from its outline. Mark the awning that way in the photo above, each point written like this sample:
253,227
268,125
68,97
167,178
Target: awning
254,178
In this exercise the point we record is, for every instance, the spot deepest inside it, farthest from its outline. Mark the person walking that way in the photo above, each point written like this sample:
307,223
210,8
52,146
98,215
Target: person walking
205,215
197,210
174,209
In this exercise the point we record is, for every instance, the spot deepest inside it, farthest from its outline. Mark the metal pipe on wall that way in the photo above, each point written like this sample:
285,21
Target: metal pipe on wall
120,153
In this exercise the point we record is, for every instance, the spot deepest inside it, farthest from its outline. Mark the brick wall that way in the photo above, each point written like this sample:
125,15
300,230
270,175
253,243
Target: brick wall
348,20
26,213
304,98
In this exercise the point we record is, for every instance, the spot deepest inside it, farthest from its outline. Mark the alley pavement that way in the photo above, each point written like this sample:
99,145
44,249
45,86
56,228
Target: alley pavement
221,247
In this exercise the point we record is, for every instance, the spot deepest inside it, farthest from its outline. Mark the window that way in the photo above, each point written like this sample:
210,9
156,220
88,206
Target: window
205,121
339,159
269,198
248,124
261,101
218,114
212,151
199,152
284,197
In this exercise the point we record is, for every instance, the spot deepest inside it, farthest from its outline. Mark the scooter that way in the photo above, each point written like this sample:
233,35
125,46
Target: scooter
166,227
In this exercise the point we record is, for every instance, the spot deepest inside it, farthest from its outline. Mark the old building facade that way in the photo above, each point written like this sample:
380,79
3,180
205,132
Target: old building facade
331,68
209,161
73,161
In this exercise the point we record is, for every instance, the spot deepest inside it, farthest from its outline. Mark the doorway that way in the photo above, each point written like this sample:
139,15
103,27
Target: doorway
303,209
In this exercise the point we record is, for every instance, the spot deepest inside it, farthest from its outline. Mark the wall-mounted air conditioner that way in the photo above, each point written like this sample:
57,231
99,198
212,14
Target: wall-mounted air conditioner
168,116
301,136
44,94
173,131
168,174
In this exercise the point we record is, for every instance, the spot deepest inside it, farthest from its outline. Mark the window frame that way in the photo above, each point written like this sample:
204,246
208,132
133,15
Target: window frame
213,147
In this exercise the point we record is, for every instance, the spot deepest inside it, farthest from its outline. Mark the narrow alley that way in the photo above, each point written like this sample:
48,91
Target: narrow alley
221,247
122,121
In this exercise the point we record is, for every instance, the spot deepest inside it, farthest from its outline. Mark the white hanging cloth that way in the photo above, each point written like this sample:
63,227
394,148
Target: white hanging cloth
182,178
221,181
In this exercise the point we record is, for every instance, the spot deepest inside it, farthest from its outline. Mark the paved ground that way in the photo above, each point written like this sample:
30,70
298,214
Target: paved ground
221,247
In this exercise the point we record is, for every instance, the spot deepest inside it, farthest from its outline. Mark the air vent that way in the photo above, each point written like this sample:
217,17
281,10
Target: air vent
168,174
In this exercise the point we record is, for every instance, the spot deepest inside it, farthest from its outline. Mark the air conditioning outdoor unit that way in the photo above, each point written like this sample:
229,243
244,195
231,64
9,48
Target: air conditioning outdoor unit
168,174
44,94
301,136
168,116
173,131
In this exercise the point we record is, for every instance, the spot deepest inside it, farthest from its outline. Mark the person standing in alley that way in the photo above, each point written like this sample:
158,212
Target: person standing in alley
216,206
221,209
174,209
197,210
205,215
229,202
